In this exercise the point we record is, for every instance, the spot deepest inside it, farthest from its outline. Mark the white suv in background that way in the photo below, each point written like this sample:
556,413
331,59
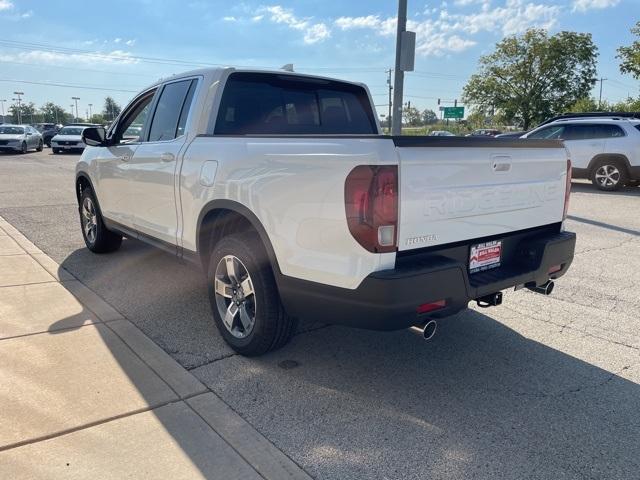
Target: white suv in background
604,150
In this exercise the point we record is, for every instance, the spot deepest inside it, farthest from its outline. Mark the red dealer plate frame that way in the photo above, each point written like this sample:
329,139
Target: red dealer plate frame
485,256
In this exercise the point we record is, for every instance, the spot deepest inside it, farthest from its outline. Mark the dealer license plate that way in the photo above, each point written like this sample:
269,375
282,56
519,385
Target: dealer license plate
484,256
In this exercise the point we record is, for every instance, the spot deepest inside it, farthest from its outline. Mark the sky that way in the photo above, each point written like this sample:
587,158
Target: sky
54,50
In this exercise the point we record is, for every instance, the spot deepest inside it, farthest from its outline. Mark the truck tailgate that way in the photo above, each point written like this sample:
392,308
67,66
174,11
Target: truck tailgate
455,189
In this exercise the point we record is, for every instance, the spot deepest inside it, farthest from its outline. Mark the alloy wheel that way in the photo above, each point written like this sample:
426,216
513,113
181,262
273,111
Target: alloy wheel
235,296
607,176
89,220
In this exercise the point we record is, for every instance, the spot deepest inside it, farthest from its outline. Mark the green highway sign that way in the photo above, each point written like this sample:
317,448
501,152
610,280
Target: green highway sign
453,112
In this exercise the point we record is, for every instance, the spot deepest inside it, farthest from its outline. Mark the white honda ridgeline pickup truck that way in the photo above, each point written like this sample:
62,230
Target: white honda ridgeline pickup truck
283,187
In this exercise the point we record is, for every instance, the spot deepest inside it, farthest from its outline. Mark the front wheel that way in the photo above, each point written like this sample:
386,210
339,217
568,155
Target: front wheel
55,150
23,148
96,236
40,146
609,175
244,297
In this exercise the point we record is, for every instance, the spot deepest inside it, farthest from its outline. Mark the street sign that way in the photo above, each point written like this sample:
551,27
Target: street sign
453,112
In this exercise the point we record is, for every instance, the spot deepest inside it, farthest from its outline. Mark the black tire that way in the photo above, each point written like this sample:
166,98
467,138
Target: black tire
55,151
609,175
40,146
48,143
101,240
272,327
23,148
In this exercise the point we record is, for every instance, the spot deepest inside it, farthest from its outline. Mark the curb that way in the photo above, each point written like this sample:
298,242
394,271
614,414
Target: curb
251,445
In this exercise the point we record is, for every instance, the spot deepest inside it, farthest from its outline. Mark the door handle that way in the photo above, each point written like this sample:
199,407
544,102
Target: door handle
125,158
167,157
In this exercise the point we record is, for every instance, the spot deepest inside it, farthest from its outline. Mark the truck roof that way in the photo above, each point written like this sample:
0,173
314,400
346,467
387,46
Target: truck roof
217,72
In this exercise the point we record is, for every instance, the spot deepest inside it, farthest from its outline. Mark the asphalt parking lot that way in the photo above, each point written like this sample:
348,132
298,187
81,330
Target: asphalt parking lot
541,387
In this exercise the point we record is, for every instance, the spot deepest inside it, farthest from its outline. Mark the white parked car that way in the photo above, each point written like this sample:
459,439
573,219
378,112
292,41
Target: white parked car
604,150
19,138
68,138
286,192
441,133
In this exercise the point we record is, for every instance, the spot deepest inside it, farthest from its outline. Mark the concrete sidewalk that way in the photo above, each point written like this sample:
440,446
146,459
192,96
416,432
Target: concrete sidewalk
85,394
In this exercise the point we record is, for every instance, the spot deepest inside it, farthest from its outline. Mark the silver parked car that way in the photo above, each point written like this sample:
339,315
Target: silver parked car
19,138
68,138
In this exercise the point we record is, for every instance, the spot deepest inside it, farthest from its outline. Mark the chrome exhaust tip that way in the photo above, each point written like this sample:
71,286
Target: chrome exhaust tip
428,331
544,289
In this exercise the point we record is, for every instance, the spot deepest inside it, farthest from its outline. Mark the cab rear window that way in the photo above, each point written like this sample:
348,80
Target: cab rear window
262,103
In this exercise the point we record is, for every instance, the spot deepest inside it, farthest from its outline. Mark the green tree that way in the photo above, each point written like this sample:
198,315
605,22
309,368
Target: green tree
111,109
586,104
52,113
630,56
477,119
97,118
533,76
428,117
24,114
411,116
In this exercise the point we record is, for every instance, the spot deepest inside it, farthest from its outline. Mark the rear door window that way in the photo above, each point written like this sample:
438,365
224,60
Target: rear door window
552,132
609,131
168,112
262,103
580,132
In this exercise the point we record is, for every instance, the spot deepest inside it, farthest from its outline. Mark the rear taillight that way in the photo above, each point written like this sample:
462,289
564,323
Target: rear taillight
371,205
567,191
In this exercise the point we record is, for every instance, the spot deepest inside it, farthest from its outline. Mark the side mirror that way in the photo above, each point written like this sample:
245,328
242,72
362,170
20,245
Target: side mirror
94,136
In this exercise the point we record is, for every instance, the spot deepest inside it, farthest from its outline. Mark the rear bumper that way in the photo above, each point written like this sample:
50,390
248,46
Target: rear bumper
387,300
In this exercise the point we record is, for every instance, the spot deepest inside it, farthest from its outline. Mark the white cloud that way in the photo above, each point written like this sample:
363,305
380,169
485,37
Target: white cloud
6,5
313,32
117,40
316,33
27,14
584,5
229,19
444,32
349,23
131,42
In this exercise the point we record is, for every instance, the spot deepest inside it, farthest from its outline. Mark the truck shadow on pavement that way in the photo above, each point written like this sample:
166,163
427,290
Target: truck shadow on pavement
480,400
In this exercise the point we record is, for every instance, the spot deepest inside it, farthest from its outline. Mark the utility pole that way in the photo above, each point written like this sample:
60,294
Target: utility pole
76,100
600,99
19,100
90,114
398,81
2,103
390,101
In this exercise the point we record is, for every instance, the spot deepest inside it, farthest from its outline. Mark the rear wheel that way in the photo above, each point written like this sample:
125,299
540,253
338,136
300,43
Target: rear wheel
96,236
609,175
40,146
244,297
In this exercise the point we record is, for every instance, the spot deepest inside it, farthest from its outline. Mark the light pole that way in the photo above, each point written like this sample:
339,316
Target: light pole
390,71
405,59
19,100
90,114
600,99
2,103
71,111
76,100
